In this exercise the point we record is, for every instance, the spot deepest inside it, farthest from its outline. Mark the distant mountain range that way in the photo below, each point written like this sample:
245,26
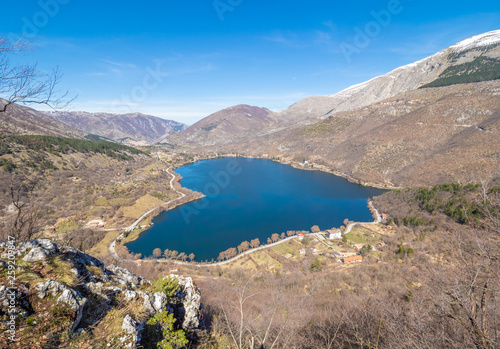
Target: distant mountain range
134,128
392,129
23,120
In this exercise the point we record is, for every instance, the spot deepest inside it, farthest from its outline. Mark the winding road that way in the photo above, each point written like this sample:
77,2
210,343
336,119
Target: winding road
378,220
136,223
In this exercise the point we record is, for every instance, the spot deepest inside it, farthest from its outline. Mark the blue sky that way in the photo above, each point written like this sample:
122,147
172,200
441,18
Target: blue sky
183,60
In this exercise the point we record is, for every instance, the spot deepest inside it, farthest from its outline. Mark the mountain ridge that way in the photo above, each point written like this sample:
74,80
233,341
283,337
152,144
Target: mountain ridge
376,131
21,120
133,128
314,108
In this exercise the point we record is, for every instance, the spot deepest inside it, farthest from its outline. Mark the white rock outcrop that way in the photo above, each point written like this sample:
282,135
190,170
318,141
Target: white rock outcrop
133,332
68,296
40,250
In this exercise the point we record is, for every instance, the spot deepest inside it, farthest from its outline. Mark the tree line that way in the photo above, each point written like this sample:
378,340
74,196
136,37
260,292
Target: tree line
61,145
230,252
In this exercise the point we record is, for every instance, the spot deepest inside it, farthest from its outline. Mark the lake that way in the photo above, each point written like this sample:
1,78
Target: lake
248,199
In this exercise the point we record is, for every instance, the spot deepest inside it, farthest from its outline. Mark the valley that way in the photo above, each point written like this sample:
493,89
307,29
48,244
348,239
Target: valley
403,256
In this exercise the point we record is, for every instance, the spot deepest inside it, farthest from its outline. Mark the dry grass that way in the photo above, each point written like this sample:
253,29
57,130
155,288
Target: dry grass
143,204
101,249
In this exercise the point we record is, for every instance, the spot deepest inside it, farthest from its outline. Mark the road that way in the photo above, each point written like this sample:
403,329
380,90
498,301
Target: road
134,225
378,220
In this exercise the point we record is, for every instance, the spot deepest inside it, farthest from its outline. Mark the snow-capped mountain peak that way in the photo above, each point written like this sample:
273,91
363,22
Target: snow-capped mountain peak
484,39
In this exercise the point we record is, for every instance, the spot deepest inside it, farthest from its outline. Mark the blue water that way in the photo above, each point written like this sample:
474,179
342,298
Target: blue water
248,199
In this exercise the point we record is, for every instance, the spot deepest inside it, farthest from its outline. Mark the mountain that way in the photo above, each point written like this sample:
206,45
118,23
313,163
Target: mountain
133,128
225,126
478,56
451,61
395,129
420,137
19,120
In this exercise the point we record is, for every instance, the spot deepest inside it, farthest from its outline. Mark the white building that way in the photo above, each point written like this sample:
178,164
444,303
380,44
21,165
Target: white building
334,234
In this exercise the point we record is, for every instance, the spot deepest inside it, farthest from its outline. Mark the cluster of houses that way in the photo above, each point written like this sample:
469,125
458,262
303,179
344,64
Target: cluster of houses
334,234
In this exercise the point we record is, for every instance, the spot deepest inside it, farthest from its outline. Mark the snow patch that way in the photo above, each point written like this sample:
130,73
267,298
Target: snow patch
478,40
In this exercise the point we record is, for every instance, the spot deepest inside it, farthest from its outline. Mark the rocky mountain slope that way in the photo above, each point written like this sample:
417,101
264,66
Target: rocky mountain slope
390,130
402,79
132,129
23,120
454,60
62,296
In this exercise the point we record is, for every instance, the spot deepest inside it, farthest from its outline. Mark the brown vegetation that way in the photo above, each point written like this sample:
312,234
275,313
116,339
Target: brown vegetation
425,286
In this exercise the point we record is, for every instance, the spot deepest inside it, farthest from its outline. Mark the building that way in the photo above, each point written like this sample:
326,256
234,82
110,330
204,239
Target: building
352,259
334,234
174,270
302,251
301,236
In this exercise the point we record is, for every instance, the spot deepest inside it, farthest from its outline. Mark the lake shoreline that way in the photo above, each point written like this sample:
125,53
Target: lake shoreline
309,166
177,178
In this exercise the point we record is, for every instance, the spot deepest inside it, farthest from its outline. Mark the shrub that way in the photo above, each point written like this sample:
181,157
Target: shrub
160,331
316,265
365,249
168,285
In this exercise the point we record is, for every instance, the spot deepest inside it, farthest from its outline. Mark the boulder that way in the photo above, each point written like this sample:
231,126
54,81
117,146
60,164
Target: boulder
80,260
148,300
72,298
129,295
190,298
18,296
50,286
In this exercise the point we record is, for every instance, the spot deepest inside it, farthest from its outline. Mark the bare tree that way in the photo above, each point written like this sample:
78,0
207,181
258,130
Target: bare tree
255,243
257,312
26,84
29,216
469,298
157,253
244,246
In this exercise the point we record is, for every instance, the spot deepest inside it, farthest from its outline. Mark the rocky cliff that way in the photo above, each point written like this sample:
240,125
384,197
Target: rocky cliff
52,295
